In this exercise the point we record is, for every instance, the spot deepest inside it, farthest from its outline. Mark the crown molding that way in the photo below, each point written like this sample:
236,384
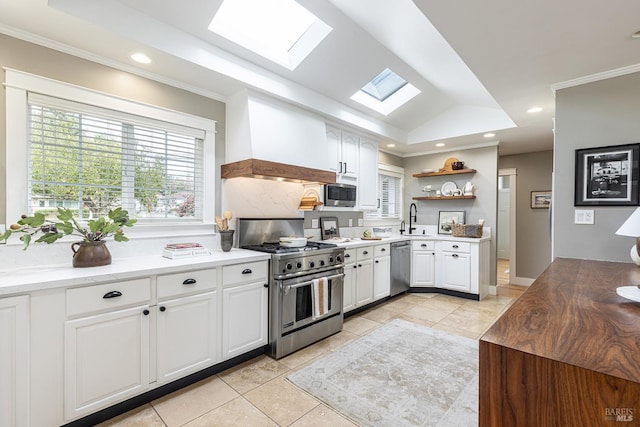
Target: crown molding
596,77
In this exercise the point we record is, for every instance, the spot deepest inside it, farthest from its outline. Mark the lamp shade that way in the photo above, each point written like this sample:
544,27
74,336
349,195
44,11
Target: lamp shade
631,226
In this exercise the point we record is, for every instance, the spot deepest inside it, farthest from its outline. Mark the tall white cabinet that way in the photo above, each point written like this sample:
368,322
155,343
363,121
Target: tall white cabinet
14,361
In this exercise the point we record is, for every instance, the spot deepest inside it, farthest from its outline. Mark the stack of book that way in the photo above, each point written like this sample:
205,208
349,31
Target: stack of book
184,250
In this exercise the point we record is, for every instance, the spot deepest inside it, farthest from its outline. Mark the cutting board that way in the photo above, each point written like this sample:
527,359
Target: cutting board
371,238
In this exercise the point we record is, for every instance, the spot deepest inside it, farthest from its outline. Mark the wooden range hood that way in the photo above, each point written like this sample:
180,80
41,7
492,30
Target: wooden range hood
255,168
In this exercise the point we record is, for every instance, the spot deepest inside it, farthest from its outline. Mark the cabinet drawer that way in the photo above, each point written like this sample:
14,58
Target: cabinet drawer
456,246
364,253
423,245
185,283
350,255
244,273
108,296
382,250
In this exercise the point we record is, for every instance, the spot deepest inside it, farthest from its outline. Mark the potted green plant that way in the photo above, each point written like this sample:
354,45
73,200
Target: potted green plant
89,252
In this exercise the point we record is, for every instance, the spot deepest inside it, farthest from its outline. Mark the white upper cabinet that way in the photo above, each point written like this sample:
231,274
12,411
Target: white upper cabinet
354,159
368,176
343,154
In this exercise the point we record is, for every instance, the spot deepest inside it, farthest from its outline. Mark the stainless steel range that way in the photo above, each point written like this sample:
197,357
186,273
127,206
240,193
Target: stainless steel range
305,284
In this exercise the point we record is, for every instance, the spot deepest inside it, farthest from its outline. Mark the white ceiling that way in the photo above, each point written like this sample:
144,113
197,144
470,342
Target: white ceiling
479,65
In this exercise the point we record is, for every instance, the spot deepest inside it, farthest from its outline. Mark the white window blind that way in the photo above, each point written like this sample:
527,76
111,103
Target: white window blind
92,159
389,195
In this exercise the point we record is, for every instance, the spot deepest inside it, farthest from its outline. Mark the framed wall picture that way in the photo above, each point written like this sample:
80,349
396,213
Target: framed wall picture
540,199
607,176
445,218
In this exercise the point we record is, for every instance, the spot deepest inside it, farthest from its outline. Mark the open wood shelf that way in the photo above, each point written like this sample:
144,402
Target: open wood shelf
454,172
444,198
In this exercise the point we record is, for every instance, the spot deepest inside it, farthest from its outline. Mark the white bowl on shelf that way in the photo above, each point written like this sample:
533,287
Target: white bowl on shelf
428,170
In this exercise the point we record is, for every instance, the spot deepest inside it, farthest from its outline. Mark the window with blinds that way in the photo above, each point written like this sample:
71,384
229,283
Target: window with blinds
91,159
389,196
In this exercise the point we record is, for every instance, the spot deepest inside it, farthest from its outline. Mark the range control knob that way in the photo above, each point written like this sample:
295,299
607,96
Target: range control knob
321,263
312,264
331,259
289,266
338,258
298,264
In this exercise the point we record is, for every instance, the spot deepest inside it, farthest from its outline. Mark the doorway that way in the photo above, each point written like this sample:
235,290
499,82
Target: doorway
506,227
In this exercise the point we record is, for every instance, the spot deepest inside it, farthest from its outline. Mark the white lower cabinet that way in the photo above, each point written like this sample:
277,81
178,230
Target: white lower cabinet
456,271
349,298
186,335
423,273
244,319
381,271
364,275
244,308
106,359
186,325
14,361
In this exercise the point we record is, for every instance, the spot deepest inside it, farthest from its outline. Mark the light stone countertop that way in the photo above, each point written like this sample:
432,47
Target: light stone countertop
358,242
28,279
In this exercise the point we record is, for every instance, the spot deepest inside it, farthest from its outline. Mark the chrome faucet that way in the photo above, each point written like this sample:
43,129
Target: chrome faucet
413,209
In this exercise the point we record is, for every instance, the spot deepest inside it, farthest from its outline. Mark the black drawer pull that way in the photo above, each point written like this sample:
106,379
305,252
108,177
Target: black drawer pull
365,252
112,294
455,255
189,282
377,261
266,285
347,256
424,245
383,250
163,308
455,246
247,271
145,312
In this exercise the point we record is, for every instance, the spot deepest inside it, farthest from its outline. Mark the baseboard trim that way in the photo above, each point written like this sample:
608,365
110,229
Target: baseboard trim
523,281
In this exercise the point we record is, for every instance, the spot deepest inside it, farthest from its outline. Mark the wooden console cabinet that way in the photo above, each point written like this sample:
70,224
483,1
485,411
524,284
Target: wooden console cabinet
566,353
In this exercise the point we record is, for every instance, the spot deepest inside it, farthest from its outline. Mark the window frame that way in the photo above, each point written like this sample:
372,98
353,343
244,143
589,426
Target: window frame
18,84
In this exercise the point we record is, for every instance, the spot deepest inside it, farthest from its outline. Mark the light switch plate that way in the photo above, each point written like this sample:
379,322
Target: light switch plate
584,216
314,223
350,222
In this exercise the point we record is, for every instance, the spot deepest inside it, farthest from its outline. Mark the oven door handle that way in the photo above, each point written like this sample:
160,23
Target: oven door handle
286,288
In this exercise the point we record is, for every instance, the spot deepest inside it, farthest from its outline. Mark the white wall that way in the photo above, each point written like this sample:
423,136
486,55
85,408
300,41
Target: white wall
598,114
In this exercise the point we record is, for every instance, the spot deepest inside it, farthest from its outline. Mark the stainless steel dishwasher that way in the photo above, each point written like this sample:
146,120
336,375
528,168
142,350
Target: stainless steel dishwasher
400,266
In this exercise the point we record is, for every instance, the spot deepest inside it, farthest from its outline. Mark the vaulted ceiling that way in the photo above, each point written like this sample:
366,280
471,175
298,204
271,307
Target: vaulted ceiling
479,65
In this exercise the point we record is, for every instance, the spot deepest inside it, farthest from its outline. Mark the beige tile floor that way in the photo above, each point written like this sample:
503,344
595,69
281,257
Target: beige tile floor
257,393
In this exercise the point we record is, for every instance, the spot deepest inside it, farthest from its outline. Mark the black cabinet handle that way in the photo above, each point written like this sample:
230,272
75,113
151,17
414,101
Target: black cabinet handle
377,261
112,294
247,271
345,167
347,256
383,250
145,312
189,282
355,266
455,246
424,245
365,253
266,285
359,265
163,308
455,255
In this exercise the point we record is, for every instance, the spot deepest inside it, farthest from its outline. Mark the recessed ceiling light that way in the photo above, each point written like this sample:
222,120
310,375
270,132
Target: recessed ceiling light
440,144
391,145
489,135
141,58
636,35
534,110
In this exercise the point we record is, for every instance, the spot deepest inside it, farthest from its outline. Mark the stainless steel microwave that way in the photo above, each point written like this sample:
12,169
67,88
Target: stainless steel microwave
343,195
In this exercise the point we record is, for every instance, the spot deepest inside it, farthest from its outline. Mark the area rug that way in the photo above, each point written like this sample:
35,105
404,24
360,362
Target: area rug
401,374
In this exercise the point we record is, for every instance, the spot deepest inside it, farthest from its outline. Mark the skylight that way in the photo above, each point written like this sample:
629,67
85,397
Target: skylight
280,30
385,92
384,85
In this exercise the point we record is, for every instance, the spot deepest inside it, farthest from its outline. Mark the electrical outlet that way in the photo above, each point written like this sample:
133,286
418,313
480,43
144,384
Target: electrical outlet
360,222
314,223
350,222
584,216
